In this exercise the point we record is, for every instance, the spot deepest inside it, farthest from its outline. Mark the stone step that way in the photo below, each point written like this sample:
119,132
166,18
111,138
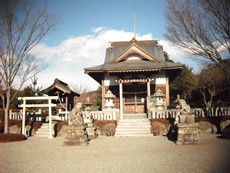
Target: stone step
43,131
135,116
133,127
134,121
136,134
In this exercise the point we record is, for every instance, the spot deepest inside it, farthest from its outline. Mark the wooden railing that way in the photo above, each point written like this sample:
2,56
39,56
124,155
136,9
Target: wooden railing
103,115
17,115
199,112
97,115
114,115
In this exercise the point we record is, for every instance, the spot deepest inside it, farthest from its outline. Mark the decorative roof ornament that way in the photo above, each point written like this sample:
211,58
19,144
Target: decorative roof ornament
134,26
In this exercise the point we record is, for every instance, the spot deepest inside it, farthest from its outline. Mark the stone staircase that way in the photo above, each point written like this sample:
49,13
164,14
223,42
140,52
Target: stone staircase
43,131
133,125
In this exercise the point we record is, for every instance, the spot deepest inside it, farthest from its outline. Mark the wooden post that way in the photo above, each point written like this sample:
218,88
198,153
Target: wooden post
103,94
148,88
24,117
121,99
167,91
50,120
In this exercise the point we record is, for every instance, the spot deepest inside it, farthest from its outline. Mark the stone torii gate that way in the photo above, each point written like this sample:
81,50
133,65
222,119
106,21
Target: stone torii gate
24,105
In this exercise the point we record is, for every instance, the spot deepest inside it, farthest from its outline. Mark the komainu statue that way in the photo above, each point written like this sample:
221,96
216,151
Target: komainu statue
75,116
185,108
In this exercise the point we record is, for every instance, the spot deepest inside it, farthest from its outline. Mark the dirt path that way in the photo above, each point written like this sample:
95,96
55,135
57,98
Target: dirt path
111,154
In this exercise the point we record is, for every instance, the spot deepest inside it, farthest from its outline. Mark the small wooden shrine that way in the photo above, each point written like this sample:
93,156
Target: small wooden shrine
133,71
63,91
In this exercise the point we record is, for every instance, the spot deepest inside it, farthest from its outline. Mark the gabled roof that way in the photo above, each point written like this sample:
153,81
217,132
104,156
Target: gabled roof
135,49
151,58
59,87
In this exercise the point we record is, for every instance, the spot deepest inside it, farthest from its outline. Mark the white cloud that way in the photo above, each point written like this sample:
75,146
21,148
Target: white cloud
175,53
68,59
97,29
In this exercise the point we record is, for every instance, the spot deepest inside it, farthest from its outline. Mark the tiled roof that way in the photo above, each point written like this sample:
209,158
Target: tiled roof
135,66
152,58
59,86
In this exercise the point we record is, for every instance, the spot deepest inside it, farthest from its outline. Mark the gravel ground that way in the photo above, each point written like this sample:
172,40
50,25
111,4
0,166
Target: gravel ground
116,154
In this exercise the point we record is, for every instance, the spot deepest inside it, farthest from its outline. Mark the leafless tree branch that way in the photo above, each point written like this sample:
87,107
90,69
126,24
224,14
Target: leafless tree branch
22,25
201,27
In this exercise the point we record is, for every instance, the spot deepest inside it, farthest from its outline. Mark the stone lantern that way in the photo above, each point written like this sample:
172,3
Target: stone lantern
88,120
109,100
158,99
88,104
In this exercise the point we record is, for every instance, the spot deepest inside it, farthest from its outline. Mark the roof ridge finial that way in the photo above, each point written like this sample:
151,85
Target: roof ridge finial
134,25
134,21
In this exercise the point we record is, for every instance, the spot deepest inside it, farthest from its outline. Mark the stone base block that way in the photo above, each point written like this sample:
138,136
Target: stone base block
187,119
188,139
92,136
75,136
188,134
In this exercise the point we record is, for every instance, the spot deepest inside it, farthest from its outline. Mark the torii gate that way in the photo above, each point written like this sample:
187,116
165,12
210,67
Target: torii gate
49,104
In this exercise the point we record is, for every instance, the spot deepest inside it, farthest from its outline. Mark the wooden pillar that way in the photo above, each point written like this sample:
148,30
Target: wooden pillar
103,94
135,102
24,117
50,120
167,91
121,98
148,88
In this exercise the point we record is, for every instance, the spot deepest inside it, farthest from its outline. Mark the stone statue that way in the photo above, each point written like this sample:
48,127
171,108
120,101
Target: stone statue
187,132
185,108
75,132
75,116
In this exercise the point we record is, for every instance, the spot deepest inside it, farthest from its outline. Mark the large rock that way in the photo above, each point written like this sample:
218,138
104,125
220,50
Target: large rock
226,132
224,124
158,128
14,129
206,127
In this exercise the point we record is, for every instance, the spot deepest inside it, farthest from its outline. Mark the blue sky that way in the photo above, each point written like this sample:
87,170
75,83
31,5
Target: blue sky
87,27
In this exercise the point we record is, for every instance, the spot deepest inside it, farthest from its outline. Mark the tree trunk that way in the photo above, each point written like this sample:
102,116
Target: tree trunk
6,111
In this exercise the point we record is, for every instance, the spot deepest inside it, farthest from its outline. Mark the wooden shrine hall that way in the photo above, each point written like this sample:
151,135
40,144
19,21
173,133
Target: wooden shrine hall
64,93
133,71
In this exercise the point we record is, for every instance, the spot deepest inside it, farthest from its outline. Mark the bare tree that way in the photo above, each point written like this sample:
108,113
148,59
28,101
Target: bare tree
211,83
22,25
83,89
202,27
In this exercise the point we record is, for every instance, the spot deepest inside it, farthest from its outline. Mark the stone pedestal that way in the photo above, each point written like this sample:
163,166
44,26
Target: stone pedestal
187,119
187,130
188,134
75,135
75,132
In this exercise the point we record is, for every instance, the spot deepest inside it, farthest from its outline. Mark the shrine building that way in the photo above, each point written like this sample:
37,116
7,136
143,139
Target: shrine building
64,93
133,71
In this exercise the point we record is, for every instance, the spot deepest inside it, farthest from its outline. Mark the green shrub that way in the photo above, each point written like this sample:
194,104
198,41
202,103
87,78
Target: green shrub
11,123
109,129
12,137
101,123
